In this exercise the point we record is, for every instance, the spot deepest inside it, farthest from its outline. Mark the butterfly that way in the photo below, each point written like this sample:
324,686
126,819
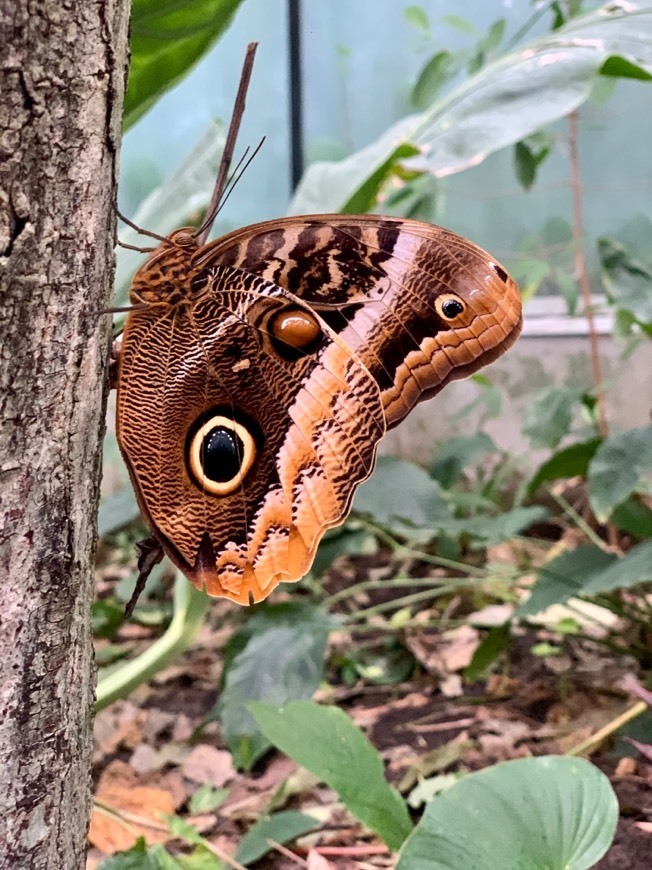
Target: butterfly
258,373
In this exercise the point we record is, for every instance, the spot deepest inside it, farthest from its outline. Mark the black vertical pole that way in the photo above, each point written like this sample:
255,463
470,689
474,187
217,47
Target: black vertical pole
295,91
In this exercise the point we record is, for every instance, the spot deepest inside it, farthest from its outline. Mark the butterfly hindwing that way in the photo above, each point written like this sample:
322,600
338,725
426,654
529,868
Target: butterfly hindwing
314,419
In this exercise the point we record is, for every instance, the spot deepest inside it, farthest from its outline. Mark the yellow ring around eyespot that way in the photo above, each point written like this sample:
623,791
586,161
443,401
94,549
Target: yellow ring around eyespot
226,487
446,297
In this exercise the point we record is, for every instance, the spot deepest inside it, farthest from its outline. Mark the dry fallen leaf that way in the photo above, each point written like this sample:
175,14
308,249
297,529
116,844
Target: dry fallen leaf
138,814
208,764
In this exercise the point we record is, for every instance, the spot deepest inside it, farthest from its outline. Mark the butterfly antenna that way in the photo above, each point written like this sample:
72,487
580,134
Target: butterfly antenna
141,230
236,176
229,146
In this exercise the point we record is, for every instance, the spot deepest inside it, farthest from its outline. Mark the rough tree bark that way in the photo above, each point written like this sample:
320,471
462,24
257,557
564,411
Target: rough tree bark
62,80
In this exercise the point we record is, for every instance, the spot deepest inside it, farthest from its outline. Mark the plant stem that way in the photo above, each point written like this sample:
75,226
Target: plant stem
190,606
397,583
597,738
582,273
403,550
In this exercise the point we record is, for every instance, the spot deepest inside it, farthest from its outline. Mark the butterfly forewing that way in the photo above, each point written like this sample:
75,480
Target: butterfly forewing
380,282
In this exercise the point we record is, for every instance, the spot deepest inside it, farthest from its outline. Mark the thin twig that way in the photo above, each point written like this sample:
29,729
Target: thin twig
579,521
288,853
583,275
596,739
229,146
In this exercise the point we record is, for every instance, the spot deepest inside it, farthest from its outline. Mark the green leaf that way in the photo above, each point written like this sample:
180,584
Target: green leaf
622,465
328,744
434,74
628,280
140,857
167,39
280,827
633,517
457,453
529,154
340,541
621,68
495,35
107,617
491,646
570,461
400,494
563,577
365,197
207,798
508,99
389,666
493,530
548,417
533,813
459,23
280,657
631,569
417,17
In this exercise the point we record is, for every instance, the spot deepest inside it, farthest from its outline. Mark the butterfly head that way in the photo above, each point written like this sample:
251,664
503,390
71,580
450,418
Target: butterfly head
165,279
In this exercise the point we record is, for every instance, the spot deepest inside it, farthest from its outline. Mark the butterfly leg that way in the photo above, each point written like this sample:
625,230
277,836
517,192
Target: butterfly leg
150,553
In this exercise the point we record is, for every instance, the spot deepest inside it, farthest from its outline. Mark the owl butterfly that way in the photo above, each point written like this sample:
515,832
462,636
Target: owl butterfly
257,374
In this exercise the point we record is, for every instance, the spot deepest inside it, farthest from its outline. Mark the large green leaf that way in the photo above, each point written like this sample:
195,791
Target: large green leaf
401,494
567,462
549,415
564,576
168,37
328,744
503,103
457,453
549,813
621,465
277,656
631,569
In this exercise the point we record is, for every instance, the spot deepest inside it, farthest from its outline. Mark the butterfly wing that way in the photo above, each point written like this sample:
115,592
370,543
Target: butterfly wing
385,285
242,454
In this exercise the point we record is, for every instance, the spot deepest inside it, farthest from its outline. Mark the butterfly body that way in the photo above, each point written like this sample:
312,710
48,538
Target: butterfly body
258,372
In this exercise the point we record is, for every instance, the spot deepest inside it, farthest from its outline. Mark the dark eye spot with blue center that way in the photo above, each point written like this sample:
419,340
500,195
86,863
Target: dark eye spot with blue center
221,454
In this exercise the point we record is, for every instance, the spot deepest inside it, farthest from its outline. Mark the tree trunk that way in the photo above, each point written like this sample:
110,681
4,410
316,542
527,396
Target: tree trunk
62,72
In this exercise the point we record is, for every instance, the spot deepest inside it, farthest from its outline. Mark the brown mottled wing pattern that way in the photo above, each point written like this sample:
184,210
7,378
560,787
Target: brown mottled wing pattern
376,281
317,420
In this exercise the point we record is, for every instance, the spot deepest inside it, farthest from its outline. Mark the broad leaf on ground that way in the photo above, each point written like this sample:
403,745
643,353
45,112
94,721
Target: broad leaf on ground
277,656
328,744
563,577
553,812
